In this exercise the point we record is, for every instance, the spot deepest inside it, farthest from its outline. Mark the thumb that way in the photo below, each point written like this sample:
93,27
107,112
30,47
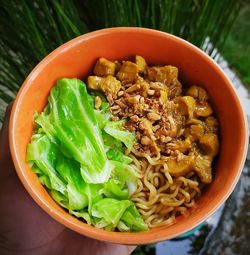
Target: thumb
5,157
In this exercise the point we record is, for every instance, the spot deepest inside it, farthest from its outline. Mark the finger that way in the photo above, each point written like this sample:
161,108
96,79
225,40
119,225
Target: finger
4,138
130,249
6,166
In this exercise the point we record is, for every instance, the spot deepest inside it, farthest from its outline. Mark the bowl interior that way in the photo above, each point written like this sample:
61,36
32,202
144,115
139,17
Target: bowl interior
76,59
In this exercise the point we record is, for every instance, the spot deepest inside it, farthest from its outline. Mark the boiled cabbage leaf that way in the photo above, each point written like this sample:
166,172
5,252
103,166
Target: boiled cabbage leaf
109,211
43,154
116,129
78,153
72,125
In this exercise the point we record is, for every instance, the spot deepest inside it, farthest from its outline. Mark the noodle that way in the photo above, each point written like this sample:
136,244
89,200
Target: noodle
159,196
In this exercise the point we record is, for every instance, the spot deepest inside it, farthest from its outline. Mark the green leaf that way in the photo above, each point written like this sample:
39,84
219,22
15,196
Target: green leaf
61,175
44,121
133,220
82,214
114,189
116,129
69,170
59,198
109,211
115,149
126,174
103,114
111,143
102,118
43,154
76,128
118,155
122,226
45,180
93,193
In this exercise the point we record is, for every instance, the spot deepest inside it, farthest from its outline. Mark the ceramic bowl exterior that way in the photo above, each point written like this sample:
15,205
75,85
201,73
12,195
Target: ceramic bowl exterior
76,58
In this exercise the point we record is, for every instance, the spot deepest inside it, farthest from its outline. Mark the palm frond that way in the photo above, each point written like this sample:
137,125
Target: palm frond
30,29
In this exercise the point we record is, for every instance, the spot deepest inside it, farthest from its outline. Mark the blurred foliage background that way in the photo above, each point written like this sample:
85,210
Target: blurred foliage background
30,29
237,46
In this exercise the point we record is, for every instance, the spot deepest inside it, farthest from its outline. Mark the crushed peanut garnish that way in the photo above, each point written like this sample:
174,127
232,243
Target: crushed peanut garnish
98,102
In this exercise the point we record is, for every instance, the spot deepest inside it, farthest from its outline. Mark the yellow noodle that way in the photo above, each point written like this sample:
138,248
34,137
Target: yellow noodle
144,202
186,195
191,204
149,212
197,189
159,208
140,186
150,218
168,221
193,194
173,203
153,161
165,210
141,205
150,186
169,195
163,188
160,197
181,209
137,163
187,181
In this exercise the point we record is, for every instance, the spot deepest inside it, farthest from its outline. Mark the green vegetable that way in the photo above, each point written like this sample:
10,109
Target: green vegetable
108,211
102,118
126,174
60,198
44,121
114,189
115,129
111,213
93,193
82,214
114,147
69,170
118,155
133,220
45,180
75,129
57,172
103,114
78,154
43,154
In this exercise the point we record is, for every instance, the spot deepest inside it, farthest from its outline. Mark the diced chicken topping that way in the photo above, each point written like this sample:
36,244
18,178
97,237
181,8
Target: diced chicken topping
202,166
177,124
195,131
141,63
210,144
104,67
198,93
203,109
187,106
180,166
98,102
128,72
108,84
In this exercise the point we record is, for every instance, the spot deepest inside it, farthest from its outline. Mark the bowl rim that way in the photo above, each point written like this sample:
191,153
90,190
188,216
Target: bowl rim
90,231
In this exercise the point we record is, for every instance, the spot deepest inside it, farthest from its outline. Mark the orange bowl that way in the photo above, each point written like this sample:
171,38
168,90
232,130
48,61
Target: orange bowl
76,59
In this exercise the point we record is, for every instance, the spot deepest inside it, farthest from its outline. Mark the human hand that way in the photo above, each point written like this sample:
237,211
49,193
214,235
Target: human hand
27,230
